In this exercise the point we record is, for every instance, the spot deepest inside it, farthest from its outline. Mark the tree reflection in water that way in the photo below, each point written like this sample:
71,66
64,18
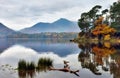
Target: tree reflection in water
98,56
115,65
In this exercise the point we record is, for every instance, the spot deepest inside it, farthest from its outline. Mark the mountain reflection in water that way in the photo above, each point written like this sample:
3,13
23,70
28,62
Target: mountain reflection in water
94,60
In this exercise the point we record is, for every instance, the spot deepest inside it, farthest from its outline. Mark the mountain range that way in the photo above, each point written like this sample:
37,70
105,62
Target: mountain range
61,25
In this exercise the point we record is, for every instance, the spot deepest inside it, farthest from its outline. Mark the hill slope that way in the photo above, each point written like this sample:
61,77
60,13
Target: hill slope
4,31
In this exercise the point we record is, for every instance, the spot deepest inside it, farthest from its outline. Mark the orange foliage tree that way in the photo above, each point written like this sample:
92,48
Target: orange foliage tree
102,30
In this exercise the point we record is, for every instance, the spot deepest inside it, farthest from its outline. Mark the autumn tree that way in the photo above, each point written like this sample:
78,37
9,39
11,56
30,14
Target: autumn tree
102,30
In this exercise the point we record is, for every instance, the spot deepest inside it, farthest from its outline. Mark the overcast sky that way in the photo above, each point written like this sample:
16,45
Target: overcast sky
18,14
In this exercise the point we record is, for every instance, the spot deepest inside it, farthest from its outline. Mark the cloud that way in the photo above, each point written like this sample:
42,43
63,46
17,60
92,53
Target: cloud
24,13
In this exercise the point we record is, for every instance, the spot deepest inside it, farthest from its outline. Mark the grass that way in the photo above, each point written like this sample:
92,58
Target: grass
22,65
29,68
43,63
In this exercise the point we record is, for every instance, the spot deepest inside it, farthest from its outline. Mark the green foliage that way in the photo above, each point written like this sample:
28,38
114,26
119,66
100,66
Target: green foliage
87,18
93,12
86,22
115,15
30,66
45,62
104,11
83,24
22,65
43,65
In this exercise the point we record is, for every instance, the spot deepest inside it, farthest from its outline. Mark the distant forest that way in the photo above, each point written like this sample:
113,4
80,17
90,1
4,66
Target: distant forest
45,35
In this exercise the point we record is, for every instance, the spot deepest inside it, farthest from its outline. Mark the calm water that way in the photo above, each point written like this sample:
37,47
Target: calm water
100,60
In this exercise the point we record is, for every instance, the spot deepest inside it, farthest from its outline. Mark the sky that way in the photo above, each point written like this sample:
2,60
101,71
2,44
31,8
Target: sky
19,14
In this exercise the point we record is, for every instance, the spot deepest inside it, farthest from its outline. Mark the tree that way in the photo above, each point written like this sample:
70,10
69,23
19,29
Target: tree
115,14
86,21
83,22
104,11
93,12
102,30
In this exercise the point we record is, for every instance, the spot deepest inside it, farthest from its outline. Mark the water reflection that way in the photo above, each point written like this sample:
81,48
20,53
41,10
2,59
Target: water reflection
115,66
26,74
41,45
99,60
29,69
13,54
100,57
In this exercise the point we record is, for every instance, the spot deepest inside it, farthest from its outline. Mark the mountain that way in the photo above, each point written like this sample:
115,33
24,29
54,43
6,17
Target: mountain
4,31
61,25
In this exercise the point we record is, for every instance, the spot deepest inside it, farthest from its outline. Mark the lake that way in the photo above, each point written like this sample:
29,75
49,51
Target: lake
93,60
